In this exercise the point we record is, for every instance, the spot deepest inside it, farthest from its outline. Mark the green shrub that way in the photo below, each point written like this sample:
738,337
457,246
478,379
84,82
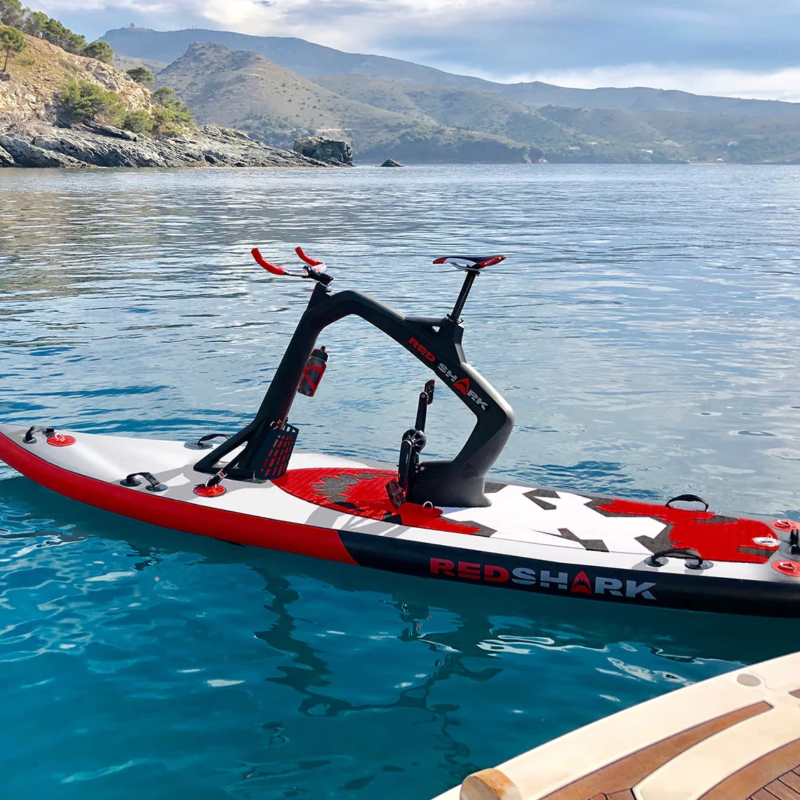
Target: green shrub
61,36
11,13
171,117
164,96
164,124
138,122
34,23
81,102
100,50
161,122
38,24
141,75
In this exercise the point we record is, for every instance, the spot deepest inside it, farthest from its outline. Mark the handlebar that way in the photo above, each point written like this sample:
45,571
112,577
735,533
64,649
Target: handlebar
310,261
312,269
262,262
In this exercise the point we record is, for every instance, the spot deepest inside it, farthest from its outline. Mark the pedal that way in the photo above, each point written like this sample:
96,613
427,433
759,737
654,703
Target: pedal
396,494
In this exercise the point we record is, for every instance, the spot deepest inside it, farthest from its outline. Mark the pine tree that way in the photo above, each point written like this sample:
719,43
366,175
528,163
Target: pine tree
12,42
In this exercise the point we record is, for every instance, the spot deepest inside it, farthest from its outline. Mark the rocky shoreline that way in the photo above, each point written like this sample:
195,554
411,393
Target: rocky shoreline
39,144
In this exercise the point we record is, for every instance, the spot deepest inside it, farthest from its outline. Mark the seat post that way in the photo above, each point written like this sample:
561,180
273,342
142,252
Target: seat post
469,279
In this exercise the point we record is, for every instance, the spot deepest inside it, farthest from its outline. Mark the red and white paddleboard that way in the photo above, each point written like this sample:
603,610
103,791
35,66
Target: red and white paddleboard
529,539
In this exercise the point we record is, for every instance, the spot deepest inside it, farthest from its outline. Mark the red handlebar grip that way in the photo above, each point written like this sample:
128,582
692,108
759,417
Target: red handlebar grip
273,268
310,261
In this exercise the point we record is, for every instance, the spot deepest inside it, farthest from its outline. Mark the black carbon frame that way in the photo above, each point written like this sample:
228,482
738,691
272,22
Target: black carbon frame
459,482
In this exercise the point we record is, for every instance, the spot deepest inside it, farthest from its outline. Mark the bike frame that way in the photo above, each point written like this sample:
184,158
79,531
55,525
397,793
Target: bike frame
433,341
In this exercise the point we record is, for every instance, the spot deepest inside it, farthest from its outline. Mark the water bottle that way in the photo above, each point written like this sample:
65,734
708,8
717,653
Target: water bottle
313,372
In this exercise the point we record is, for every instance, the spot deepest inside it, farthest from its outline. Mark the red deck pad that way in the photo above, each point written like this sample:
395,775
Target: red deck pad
725,540
362,492
183,516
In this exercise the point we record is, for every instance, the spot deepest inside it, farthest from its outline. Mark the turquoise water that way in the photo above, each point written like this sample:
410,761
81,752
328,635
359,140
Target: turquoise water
645,329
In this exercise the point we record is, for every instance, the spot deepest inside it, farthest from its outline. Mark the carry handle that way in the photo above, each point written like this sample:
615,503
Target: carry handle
687,498
689,553
153,484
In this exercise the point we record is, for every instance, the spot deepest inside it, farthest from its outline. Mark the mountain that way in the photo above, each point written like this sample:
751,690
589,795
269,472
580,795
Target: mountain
575,134
640,98
313,61
245,90
457,108
419,123
700,137
298,55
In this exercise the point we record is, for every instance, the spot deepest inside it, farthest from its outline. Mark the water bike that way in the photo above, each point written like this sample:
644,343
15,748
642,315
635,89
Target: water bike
441,519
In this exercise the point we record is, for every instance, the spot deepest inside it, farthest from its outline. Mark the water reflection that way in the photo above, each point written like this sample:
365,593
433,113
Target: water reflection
415,678
644,328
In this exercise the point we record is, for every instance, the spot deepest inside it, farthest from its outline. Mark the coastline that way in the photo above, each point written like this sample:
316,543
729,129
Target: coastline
39,144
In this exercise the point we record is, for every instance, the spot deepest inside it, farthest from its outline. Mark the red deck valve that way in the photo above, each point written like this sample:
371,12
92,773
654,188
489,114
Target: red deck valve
61,440
209,491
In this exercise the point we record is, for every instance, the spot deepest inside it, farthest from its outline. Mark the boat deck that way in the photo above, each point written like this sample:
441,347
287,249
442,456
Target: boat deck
733,737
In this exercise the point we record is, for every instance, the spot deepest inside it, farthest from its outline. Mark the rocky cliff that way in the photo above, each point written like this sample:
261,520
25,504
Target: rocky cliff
42,70
37,144
31,134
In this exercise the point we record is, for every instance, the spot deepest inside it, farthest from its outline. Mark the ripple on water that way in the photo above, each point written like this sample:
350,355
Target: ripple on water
637,320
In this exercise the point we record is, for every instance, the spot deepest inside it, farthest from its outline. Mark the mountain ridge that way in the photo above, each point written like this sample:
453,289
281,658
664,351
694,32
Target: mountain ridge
244,89
312,60
427,123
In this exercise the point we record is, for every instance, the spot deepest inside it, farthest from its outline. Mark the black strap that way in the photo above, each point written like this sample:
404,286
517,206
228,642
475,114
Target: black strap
153,483
688,553
201,442
687,498
216,480
31,439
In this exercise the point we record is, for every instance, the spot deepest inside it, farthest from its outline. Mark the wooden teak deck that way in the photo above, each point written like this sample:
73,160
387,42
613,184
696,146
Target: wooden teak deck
733,737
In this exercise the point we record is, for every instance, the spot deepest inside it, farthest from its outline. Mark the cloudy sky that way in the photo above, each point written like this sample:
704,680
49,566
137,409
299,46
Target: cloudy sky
731,47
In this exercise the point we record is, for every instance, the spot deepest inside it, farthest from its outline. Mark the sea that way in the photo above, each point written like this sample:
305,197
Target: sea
645,328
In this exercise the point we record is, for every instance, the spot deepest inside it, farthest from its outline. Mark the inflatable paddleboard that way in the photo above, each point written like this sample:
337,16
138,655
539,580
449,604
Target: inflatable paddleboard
444,520
733,737
529,539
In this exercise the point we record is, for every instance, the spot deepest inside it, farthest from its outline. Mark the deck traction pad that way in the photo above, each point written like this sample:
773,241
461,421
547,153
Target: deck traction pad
362,492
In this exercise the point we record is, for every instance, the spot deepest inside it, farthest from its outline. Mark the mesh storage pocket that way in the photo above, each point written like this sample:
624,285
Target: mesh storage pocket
275,452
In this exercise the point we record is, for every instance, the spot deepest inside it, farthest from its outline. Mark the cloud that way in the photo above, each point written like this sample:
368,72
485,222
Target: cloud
583,34
725,43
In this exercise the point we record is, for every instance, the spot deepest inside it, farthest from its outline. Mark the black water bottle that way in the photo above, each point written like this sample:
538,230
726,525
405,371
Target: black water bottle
312,374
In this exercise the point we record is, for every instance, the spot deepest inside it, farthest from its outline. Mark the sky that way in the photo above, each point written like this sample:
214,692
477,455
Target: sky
739,48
